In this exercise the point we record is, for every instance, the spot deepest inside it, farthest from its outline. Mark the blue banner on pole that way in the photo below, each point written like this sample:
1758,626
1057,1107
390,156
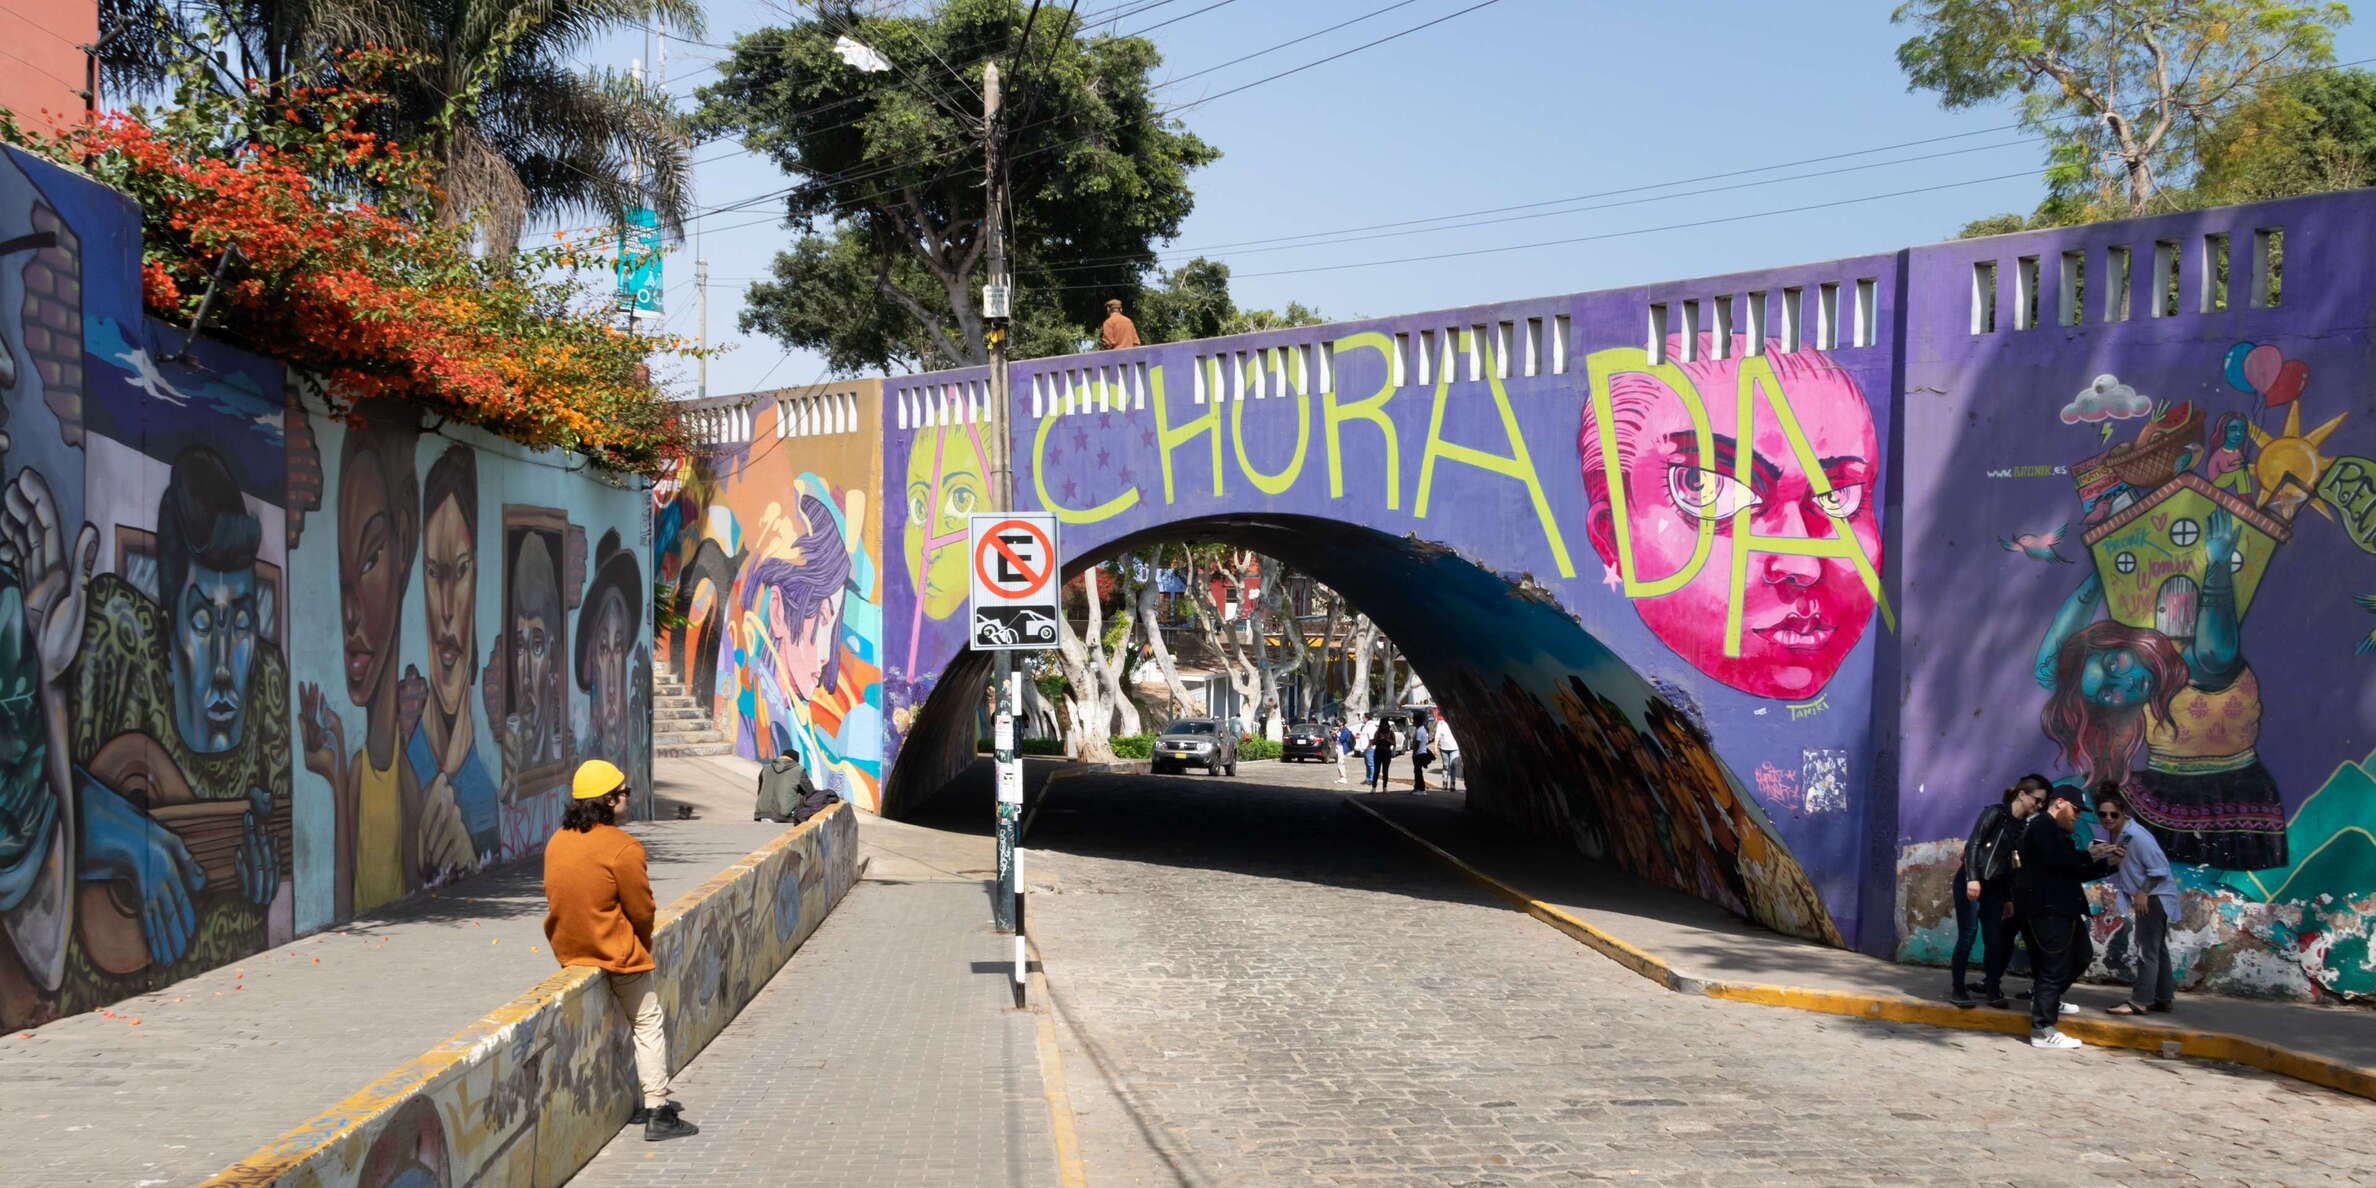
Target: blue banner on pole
639,263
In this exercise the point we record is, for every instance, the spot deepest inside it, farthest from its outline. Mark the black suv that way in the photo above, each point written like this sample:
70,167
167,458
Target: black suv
1195,742
1309,740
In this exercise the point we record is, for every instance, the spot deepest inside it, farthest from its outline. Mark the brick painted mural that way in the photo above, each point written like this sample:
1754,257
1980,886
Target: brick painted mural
263,668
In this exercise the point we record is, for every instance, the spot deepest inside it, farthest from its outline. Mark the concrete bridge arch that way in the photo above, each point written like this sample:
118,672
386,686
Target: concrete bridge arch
1631,657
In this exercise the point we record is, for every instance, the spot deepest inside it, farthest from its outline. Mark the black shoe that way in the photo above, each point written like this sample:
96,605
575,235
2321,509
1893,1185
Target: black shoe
2163,1007
2022,995
2001,1003
1962,999
663,1123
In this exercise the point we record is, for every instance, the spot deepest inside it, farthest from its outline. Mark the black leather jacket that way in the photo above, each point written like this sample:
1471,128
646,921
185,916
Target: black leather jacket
1988,853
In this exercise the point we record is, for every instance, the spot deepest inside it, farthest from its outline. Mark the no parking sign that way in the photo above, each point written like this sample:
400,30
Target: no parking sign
1013,602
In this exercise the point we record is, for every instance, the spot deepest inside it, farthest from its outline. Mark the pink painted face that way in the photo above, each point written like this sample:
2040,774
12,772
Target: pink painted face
1801,611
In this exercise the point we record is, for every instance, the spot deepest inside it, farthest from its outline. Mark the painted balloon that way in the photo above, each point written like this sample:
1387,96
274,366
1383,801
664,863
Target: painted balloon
2235,367
2290,381
2261,367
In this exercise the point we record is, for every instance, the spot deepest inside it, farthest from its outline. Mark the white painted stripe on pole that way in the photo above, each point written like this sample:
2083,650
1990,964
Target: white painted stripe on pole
1018,870
1019,959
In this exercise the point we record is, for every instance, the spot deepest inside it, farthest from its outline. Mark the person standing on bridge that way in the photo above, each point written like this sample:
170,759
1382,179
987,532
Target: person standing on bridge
1119,332
1345,741
1383,745
1365,741
1422,752
599,913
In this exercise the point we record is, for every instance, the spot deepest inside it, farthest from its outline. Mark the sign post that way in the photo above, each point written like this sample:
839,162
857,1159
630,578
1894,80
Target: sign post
1011,607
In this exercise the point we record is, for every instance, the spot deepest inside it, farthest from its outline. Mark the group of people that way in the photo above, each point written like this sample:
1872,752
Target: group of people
2023,880
1377,739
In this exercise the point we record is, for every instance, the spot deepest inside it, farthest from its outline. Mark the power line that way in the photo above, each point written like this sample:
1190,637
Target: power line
1545,214
1575,239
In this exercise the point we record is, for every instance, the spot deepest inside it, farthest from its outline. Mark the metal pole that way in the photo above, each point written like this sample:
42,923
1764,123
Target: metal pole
701,295
1010,768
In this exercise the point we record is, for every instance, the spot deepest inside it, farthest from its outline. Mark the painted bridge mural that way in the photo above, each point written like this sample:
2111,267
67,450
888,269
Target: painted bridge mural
1762,583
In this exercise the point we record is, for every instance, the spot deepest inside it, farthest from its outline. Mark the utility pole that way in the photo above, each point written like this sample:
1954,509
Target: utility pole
996,299
701,295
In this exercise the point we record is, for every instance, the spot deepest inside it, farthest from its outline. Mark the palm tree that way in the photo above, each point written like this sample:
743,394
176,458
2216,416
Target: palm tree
528,140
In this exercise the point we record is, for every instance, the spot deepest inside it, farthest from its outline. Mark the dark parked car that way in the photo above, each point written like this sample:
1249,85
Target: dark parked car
1309,740
1195,742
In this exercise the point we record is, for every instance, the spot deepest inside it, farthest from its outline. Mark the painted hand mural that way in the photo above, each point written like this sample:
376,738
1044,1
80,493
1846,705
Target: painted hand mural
2157,695
1743,528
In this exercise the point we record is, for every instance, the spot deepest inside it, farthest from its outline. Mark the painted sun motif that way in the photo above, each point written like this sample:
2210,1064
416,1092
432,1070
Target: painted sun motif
2291,458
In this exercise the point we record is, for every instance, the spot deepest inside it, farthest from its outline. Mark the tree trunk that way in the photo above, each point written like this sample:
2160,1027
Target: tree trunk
1357,689
1089,736
1151,623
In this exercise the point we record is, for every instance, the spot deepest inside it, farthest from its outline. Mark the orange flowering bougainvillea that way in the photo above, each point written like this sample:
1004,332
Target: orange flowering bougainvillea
343,271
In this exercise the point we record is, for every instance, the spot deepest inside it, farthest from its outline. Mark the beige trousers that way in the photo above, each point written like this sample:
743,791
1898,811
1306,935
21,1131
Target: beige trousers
638,996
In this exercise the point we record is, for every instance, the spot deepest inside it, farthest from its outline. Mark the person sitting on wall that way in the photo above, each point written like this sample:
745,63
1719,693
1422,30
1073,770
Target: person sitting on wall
1119,332
599,913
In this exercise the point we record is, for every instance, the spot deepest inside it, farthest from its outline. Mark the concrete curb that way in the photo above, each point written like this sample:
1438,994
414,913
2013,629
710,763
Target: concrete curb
2105,1031
534,1089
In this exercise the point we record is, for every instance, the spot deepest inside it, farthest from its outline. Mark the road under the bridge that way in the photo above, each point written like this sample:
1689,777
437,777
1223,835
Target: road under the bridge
1257,985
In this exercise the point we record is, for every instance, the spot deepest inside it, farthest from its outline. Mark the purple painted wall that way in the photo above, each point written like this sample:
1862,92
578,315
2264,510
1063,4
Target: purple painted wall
1834,479
2257,768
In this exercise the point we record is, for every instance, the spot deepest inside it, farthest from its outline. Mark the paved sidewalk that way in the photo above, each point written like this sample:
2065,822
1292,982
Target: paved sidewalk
887,1052
224,1062
1700,940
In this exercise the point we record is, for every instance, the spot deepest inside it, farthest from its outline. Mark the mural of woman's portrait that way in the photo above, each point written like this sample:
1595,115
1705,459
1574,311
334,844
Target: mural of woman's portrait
1743,526
462,822
946,484
532,706
378,531
608,623
789,628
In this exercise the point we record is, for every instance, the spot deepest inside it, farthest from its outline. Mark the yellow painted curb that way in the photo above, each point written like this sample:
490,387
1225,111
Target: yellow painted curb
2104,1031
1069,1170
391,1089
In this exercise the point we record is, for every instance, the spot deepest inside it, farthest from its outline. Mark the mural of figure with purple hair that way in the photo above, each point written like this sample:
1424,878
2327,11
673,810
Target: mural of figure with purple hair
802,632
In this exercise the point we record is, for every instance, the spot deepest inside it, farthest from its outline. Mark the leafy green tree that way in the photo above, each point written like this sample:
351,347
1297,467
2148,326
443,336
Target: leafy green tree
888,269
2119,87
2301,135
1193,301
520,135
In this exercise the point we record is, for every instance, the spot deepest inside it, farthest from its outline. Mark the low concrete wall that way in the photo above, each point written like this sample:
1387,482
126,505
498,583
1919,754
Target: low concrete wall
531,1092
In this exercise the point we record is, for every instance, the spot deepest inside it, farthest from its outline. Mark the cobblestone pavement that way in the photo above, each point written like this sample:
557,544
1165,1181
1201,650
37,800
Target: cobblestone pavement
1257,986
171,1087
886,1054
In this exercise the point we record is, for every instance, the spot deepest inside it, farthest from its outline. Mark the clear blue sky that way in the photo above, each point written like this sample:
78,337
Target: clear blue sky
1519,102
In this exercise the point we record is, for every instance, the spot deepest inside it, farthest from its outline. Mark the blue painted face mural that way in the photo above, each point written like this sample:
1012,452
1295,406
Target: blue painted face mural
206,572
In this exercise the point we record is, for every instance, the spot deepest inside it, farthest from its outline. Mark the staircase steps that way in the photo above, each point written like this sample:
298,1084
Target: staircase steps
680,722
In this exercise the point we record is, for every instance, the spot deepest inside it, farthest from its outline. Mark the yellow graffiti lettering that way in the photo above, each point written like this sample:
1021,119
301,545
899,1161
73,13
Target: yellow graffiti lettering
1518,464
1103,511
1372,409
1168,439
1603,366
1756,377
1272,484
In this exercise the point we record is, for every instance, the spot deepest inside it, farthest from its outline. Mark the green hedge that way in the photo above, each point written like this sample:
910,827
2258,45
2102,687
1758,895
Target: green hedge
1133,746
1257,748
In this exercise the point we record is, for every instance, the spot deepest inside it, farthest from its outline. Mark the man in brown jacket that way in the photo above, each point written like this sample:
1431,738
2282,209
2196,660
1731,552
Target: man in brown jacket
600,914
1119,331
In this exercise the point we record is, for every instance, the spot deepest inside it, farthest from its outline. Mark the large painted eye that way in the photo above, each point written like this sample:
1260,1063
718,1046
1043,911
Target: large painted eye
202,619
1707,493
959,502
1841,502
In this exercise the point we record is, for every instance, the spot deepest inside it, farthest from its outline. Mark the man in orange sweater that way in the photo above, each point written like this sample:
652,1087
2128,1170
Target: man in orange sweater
600,914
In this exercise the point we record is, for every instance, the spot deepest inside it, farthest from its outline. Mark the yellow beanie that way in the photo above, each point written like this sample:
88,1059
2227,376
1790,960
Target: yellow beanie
595,779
